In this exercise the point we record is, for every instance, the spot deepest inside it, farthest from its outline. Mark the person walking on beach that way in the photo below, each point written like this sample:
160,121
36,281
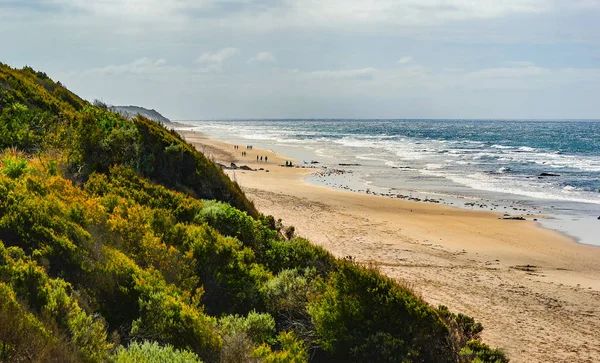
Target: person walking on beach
257,158
261,158
266,158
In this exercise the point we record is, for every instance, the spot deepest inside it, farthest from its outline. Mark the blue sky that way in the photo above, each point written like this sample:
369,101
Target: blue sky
194,59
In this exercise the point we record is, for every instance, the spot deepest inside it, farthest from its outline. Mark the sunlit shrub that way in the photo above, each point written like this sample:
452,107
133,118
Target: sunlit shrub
14,166
152,352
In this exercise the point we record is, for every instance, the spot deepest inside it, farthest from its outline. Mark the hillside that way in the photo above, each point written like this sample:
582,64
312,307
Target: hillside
133,111
121,242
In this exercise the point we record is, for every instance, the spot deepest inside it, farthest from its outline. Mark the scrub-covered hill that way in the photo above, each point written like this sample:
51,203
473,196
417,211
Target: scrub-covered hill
120,242
133,111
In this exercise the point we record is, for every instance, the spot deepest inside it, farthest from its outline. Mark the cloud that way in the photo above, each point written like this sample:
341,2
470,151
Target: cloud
326,13
405,60
517,70
213,61
217,57
141,66
263,57
356,73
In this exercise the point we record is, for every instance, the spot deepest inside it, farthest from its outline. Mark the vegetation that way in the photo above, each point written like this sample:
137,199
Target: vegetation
121,242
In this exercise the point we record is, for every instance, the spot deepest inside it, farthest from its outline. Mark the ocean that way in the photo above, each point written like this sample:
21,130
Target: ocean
519,167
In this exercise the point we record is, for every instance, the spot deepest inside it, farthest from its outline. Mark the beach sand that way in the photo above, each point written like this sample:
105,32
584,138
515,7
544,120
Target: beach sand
536,291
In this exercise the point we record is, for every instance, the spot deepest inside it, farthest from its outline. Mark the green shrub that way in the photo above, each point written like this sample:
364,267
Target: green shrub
291,350
364,316
298,252
290,291
287,297
23,337
14,166
478,352
227,271
241,335
50,299
152,352
232,222
260,328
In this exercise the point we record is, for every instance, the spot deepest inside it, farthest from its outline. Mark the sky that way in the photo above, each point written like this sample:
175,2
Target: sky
221,59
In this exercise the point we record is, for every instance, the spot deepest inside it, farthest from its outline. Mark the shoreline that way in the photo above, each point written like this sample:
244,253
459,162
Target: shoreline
517,276
459,169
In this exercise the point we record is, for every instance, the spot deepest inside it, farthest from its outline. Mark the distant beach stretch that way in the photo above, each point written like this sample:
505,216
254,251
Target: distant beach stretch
536,167
490,258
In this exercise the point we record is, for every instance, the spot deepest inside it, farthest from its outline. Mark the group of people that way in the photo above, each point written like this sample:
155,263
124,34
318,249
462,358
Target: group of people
289,163
249,147
237,147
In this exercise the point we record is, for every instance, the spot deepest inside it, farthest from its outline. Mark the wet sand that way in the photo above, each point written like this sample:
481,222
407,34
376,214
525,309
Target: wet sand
536,291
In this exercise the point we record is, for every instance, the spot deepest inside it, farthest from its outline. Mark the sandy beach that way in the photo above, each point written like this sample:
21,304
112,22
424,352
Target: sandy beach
536,291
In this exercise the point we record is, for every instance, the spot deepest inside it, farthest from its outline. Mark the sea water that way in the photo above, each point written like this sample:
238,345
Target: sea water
518,167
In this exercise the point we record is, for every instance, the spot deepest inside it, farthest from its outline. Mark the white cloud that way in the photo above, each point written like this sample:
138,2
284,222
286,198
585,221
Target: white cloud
140,66
213,61
518,70
405,60
353,73
263,57
217,57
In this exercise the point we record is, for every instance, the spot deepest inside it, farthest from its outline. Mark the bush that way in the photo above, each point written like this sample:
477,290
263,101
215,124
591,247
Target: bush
259,327
290,291
227,271
290,232
478,352
152,352
364,316
14,166
24,338
287,296
292,350
298,252
241,335
232,222
50,299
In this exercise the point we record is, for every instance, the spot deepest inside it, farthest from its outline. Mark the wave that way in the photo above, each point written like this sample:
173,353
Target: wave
513,186
527,148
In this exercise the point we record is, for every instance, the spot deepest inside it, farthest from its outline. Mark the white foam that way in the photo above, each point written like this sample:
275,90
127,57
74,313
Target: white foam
540,190
570,188
527,148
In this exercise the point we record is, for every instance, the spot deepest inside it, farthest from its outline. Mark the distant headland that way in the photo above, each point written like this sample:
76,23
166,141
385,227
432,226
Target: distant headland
132,111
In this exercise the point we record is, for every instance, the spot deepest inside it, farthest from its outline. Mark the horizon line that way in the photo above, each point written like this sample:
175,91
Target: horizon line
375,118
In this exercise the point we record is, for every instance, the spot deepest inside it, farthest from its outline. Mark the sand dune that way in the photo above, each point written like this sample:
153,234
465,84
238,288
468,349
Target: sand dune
536,291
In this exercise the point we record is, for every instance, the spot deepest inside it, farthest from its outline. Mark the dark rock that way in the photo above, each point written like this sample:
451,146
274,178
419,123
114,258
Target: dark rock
549,174
246,167
233,166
